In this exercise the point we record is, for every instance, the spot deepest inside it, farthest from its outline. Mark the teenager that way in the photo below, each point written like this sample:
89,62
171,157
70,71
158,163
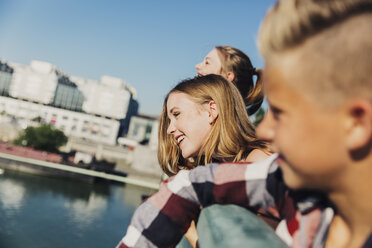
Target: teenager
204,120
237,68
318,85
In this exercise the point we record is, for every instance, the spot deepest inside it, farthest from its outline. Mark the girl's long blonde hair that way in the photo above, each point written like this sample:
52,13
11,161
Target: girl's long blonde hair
232,136
235,61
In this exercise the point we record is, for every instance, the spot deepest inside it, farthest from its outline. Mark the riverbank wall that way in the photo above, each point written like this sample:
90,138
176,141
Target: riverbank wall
34,166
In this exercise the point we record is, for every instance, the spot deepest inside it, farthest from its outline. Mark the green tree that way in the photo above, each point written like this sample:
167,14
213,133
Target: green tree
259,116
44,137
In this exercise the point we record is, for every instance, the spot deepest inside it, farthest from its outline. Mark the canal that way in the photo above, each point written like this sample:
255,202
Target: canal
40,211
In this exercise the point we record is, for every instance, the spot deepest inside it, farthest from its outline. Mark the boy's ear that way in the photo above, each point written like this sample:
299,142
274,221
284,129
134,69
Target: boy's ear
230,76
213,111
360,125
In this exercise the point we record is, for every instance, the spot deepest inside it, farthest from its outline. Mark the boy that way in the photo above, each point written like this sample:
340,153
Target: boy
318,56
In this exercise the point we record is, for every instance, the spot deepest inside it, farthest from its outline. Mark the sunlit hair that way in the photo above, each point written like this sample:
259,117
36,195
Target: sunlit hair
290,22
232,136
235,61
333,42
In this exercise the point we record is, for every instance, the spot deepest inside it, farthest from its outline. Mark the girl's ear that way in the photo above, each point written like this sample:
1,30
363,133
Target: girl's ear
213,111
230,76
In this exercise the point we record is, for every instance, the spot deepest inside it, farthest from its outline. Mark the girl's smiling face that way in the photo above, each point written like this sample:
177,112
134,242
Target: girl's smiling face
190,123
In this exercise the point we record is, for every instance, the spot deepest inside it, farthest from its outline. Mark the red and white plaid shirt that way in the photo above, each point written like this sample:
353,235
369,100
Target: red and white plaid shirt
163,218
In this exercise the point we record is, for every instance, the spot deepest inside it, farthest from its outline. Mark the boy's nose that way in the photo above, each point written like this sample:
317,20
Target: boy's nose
265,129
197,66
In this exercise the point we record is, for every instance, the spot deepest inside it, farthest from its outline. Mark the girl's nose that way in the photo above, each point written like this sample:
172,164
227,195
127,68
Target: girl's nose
170,129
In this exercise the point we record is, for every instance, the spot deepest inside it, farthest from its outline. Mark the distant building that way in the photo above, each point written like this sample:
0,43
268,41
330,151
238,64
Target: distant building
67,95
143,139
82,108
6,74
144,129
34,83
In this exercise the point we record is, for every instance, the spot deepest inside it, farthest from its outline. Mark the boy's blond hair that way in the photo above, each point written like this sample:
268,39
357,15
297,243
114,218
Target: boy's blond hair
335,37
232,135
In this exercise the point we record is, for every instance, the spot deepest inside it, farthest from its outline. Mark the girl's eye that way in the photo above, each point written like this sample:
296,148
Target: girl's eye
175,114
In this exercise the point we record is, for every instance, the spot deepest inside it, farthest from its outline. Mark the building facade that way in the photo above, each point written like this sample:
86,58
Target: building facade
81,108
144,129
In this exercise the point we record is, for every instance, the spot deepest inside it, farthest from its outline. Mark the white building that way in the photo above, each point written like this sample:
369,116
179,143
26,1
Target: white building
36,82
143,139
81,108
110,97
144,129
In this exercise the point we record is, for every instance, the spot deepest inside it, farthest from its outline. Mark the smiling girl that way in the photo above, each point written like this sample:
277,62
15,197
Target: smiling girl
204,120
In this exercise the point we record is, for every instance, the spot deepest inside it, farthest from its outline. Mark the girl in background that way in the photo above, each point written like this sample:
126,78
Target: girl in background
236,67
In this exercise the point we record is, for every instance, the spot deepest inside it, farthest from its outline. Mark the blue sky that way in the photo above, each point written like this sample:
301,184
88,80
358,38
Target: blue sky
151,44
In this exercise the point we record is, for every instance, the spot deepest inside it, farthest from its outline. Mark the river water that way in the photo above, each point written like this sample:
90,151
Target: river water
39,211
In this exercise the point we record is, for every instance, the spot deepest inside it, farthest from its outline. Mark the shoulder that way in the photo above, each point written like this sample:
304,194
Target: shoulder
256,155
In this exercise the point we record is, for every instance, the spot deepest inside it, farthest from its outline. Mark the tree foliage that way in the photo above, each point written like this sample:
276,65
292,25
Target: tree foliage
259,116
44,137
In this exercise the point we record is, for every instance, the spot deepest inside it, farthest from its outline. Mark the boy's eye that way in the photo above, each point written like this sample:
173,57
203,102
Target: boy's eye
276,112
